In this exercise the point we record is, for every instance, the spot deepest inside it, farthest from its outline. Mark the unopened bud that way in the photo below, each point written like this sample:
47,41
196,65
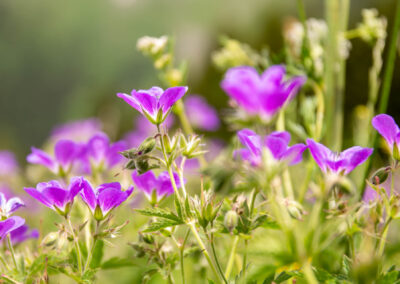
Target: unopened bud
147,146
231,220
50,239
380,176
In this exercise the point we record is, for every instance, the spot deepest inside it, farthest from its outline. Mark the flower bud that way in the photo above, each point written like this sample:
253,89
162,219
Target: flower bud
50,239
147,146
396,152
380,176
231,220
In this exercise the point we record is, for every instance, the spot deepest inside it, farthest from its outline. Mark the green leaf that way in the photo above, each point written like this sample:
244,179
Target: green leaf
283,276
161,224
97,254
117,262
178,206
158,212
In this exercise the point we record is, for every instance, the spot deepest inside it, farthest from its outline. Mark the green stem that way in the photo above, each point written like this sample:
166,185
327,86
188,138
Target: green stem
383,237
4,263
203,248
11,248
181,252
76,243
229,266
387,81
337,16
244,266
171,175
216,258
309,274
90,255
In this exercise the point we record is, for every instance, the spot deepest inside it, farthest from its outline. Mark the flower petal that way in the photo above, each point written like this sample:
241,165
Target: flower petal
65,152
131,101
319,152
355,156
171,96
147,101
88,195
242,84
146,182
9,225
111,197
387,127
40,157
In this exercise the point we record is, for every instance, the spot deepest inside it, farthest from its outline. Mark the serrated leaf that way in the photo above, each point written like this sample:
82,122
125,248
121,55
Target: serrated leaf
161,224
283,276
117,262
158,212
178,206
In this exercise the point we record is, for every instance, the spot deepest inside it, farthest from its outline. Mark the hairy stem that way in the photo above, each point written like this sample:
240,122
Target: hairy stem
204,249
76,243
90,255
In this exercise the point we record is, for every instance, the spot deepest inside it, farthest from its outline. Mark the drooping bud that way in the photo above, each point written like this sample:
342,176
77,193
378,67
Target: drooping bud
147,146
380,176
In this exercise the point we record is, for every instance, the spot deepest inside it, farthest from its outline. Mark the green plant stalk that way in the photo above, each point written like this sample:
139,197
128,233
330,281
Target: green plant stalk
11,248
76,243
309,274
90,255
229,266
382,241
4,263
216,258
181,252
386,83
280,125
337,17
192,227
171,175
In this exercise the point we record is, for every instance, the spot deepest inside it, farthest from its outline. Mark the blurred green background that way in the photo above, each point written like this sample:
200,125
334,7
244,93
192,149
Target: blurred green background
65,60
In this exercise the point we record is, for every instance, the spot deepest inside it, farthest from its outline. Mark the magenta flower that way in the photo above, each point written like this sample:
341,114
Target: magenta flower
264,95
154,103
101,152
9,225
103,199
55,196
23,233
200,114
7,207
277,143
155,188
387,127
80,130
65,154
8,164
342,163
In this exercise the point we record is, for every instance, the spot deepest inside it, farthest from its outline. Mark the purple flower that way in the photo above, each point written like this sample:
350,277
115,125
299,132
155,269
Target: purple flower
200,114
387,127
277,143
7,207
22,234
9,225
8,163
103,199
152,186
154,103
65,153
100,151
264,95
55,196
80,130
342,163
